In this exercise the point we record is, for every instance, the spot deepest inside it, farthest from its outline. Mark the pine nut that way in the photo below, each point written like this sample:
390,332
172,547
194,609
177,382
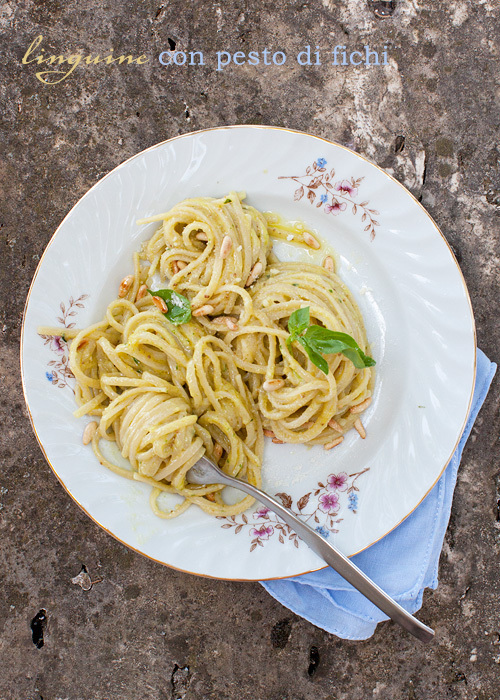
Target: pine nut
226,247
273,384
361,406
255,272
202,237
360,428
141,292
229,321
335,426
89,432
204,310
269,433
181,264
328,264
160,304
311,241
175,267
217,453
210,497
333,443
277,442
125,285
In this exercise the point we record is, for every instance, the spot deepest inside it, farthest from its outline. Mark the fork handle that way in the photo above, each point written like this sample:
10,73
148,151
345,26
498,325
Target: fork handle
339,562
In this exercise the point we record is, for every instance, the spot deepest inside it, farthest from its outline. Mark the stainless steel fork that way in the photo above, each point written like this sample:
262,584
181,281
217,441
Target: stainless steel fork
206,472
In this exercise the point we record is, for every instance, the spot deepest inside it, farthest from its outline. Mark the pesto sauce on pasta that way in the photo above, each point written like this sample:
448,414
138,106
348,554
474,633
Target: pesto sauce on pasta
166,394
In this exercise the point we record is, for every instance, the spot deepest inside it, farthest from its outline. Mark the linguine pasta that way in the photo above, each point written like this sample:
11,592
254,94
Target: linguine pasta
204,367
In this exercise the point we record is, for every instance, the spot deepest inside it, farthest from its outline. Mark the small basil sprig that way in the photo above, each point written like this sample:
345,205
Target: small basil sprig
318,341
179,308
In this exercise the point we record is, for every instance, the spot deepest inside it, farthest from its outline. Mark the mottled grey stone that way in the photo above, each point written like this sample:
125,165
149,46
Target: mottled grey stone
430,117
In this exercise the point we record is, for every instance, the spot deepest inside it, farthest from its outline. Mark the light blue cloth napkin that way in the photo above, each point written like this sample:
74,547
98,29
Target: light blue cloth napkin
403,563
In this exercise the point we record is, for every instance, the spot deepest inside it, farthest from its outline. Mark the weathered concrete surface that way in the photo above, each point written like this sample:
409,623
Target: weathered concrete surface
145,631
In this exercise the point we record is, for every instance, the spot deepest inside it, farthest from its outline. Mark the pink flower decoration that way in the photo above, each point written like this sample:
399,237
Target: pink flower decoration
337,482
57,345
263,532
345,187
261,513
328,503
335,208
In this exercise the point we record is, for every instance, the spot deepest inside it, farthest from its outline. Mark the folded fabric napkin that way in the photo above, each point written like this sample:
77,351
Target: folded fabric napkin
328,601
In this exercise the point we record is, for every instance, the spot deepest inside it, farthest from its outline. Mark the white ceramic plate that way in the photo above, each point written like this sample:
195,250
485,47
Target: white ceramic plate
402,274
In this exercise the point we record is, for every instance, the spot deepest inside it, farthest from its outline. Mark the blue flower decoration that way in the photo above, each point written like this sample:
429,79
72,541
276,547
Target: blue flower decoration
323,531
49,376
353,501
321,162
323,199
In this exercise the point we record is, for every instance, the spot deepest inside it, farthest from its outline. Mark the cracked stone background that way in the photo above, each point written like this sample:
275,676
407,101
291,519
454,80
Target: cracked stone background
430,117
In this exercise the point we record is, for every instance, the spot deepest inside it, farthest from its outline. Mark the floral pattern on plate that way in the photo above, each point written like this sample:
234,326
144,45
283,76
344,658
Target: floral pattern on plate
335,196
325,505
59,372
413,269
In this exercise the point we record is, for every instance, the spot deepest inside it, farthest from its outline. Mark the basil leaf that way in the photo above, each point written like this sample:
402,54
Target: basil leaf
324,337
318,340
330,342
358,358
328,347
369,361
179,308
298,321
314,356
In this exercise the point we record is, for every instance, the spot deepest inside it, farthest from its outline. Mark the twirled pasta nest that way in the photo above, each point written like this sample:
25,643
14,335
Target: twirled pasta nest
167,392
